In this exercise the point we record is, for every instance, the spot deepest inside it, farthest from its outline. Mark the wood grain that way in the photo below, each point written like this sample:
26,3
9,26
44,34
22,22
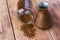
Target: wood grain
12,31
19,34
1,28
55,14
5,25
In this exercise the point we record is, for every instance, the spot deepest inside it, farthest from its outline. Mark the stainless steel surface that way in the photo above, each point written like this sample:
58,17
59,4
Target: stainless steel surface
43,5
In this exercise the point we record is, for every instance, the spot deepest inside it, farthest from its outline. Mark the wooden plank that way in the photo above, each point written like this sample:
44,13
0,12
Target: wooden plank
1,28
19,34
7,33
56,20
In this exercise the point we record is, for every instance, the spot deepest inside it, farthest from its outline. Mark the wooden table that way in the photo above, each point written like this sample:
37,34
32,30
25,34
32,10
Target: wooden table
10,25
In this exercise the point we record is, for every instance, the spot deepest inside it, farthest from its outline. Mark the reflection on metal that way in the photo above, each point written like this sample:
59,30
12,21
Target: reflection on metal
43,5
43,20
